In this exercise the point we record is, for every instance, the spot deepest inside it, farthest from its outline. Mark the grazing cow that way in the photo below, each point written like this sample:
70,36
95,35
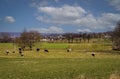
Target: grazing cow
69,50
46,50
93,54
20,52
20,49
38,49
22,55
7,52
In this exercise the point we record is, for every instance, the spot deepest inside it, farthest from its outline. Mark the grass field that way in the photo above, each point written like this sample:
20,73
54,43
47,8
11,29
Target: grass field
59,64
59,68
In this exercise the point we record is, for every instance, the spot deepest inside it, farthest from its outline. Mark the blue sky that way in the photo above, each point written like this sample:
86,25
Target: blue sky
59,16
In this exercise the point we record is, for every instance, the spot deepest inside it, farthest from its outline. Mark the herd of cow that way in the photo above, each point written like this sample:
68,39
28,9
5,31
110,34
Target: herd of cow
45,50
21,52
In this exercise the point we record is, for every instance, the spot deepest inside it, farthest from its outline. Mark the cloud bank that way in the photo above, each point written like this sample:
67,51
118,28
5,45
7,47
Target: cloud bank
52,29
77,16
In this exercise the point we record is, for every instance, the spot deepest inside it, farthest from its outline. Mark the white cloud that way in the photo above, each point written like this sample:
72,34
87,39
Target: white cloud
115,3
61,15
84,30
51,29
9,19
105,21
109,19
66,11
77,16
87,21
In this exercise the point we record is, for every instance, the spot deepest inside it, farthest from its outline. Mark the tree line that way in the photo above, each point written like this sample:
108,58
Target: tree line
29,38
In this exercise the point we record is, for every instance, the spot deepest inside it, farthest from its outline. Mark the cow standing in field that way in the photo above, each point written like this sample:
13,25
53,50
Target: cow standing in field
22,55
7,52
46,50
38,49
19,49
69,50
20,52
93,54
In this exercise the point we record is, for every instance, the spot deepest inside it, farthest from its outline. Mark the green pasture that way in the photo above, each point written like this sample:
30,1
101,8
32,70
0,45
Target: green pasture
60,64
59,68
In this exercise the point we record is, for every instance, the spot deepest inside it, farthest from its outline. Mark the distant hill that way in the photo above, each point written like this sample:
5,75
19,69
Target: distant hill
17,34
12,34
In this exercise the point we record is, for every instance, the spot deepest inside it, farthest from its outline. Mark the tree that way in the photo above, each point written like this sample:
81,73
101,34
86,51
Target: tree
5,37
116,36
88,36
27,39
69,37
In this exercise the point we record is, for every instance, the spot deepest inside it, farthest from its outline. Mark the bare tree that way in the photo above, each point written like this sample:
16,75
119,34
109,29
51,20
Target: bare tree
5,37
27,39
69,37
116,36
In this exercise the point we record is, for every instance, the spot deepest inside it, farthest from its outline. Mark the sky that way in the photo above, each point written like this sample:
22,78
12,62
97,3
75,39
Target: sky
59,16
